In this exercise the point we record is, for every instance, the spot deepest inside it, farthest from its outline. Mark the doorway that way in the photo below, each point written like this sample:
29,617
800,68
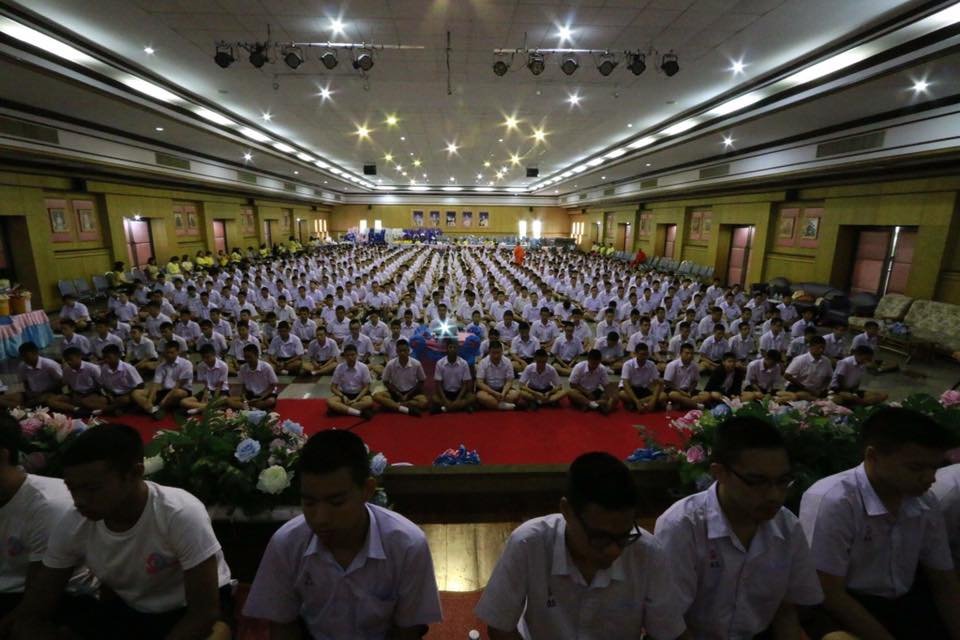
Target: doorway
219,236
669,240
139,241
882,260
741,240
301,226
267,236
620,242
6,257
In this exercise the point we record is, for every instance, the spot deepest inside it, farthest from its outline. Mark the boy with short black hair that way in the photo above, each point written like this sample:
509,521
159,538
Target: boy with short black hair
212,373
40,377
350,387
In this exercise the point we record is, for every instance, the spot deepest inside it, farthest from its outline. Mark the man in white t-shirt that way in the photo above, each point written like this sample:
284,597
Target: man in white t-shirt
540,383
212,373
403,379
350,387
590,389
172,382
323,353
586,572
41,378
151,546
641,388
845,384
454,388
344,569
258,382
809,374
495,387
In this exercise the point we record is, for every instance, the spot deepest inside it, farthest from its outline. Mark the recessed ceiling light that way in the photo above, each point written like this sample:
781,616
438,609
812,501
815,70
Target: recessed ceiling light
574,99
253,134
424,175
498,140
213,116
511,122
564,33
149,51
452,179
388,157
336,25
399,167
629,125
158,128
402,138
392,120
325,182
248,156
479,176
648,164
539,135
452,147
728,141
403,173
416,163
411,153
268,116
737,67
362,132
680,127
325,93
296,173
515,158
735,104
920,86
284,147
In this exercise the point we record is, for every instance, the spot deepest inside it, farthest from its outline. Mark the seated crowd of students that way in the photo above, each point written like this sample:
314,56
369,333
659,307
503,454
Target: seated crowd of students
350,313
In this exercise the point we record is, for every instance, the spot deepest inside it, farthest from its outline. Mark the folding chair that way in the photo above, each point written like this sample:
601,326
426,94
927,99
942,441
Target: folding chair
66,287
84,292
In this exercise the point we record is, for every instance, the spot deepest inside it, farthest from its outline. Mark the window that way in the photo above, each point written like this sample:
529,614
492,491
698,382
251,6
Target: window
523,228
537,229
576,231
377,225
363,226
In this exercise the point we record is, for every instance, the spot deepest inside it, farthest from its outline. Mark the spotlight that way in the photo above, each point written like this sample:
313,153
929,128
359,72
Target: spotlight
637,64
258,55
363,61
500,67
535,63
224,56
607,64
329,59
669,64
293,57
569,65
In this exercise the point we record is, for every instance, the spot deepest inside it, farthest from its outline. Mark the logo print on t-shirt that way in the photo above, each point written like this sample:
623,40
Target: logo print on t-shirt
157,562
15,546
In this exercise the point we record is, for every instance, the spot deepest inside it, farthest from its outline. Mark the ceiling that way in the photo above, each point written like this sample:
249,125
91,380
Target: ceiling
412,85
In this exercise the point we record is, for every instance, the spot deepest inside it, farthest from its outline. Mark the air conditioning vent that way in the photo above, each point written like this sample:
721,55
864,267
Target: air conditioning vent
715,171
289,186
582,196
609,192
650,184
852,144
246,176
167,160
20,129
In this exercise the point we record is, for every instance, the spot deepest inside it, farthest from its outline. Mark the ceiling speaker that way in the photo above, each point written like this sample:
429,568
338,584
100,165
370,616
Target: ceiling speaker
533,172
369,169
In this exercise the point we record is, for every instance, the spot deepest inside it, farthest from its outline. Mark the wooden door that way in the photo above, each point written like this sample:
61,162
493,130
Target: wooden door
139,241
670,241
740,241
219,236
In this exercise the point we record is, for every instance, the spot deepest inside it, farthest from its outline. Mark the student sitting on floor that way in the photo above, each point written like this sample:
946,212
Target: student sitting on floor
836,346
379,558
641,388
82,380
172,382
726,381
73,339
75,311
799,346
738,557
258,382
212,373
611,350
455,389
152,547
566,351
590,389
743,344
764,377
286,351
540,383
582,573
680,379
141,352
522,348
118,380
775,339
809,374
40,377
870,337
798,328
495,388
101,338
350,387
403,379
712,349
323,353
878,538
845,384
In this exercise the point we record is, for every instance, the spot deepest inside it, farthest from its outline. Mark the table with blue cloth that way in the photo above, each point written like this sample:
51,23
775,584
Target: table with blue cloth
27,327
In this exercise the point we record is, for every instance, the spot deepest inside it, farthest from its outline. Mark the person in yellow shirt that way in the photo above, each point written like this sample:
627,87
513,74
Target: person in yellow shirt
185,265
200,262
173,266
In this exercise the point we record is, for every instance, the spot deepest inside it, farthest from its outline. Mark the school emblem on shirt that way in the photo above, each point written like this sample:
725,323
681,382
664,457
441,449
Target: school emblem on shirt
15,546
714,558
157,562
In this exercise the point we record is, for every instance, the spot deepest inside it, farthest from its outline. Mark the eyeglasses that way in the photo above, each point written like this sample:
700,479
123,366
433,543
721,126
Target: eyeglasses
782,484
600,540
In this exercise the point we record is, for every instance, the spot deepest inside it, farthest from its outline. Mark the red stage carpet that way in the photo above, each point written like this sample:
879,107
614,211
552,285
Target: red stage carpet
548,436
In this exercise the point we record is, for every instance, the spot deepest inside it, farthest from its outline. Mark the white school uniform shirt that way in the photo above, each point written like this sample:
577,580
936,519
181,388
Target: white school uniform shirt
258,381
544,332
537,589
589,380
524,349
602,329
26,522
947,490
682,377
677,341
152,324
45,377
726,590
540,380
798,327
219,343
407,330
452,375
390,581
84,380
289,348
77,312
339,329
797,347
169,374
126,312
306,331
762,378
351,379
363,344
847,374
497,309
145,564
743,348
404,377
660,329
76,340
187,330
637,375
863,339
567,350
495,375
213,378
713,348
706,325
852,535
120,381
237,345
769,340
323,352
508,332
836,347
813,374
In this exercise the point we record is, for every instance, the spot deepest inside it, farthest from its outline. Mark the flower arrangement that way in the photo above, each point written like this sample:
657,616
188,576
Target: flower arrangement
45,435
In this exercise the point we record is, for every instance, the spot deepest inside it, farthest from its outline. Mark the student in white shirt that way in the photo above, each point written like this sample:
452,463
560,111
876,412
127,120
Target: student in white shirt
681,378
455,389
776,338
286,351
151,546
213,338
323,353
612,353
738,557
258,381
871,528
118,380
172,382
73,339
712,349
836,346
212,373
141,352
590,389
75,311
566,350
540,383
743,344
845,384
522,348
797,328
947,491
764,377
586,572
82,380
41,378
304,328
495,387
388,589
809,374
350,387
403,379
641,388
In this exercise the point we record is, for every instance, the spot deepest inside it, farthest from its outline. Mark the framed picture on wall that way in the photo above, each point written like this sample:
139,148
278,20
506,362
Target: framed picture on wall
451,218
193,224
484,219
706,225
418,219
61,229
787,227
809,233
467,218
696,219
435,218
646,225
58,221
87,227
179,222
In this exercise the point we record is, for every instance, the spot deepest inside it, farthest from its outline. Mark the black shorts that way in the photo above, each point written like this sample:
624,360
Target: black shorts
641,392
859,392
792,388
350,396
756,389
543,390
250,395
450,395
597,393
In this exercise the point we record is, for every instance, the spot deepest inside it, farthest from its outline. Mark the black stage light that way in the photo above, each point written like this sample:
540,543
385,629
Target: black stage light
224,56
669,64
293,57
535,63
607,64
329,59
637,64
500,67
569,65
258,56
363,61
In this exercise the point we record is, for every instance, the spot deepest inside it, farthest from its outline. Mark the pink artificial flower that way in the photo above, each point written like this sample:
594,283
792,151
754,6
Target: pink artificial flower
693,416
950,398
696,454
31,426
803,426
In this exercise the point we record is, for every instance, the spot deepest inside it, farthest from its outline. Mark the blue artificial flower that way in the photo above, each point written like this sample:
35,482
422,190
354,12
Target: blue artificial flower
454,457
292,427
378,464
247,450
254,416
720,411
647,454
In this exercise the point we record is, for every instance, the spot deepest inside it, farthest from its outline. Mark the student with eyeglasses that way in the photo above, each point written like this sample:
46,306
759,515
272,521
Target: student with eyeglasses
586,572
739,558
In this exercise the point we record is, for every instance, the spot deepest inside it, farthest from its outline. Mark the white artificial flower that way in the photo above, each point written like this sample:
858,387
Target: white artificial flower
273,479
152,465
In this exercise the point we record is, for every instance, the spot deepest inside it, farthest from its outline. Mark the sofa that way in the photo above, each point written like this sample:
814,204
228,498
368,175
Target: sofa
892,307
935,322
